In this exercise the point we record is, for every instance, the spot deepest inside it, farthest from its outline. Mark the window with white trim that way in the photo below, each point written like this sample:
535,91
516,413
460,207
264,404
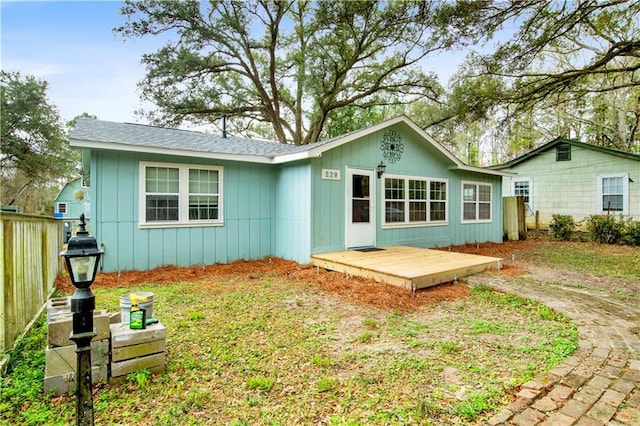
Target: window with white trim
613,193
414,201
476,202
523,187
61,208
180,195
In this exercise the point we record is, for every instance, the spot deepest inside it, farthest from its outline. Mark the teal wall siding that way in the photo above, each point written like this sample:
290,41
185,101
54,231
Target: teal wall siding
418,159
328,205
293,225
249,216
464,233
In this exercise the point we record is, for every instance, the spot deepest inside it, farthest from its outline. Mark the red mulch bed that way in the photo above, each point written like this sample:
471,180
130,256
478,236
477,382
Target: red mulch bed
356,289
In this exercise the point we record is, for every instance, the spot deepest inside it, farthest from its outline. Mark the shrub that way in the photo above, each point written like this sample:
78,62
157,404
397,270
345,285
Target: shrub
605,229
562,227
632,234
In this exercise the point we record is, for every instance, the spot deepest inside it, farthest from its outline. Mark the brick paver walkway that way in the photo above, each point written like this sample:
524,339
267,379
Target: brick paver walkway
600,383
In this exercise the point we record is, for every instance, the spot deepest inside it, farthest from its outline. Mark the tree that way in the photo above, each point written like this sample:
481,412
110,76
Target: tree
562,50
34,145
568,69
293,64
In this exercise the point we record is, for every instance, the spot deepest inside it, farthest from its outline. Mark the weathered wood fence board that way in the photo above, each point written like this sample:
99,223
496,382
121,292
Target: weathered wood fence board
514,220
29,249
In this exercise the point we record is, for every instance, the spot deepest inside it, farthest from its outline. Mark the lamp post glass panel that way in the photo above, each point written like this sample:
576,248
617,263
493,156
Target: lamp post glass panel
82,258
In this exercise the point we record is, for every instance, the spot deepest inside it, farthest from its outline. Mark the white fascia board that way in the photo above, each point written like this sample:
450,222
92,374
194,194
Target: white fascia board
481,170
286,158
110,146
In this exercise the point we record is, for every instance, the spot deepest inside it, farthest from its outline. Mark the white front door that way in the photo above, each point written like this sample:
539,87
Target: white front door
361,218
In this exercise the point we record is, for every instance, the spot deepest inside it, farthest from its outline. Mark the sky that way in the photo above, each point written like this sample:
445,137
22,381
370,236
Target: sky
71,45
90,69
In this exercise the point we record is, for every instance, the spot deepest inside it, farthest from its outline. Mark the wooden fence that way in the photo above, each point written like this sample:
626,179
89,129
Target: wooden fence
514,220
29,249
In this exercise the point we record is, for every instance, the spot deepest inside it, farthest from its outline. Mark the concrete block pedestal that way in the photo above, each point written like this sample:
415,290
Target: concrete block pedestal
133,350
115,352
60,357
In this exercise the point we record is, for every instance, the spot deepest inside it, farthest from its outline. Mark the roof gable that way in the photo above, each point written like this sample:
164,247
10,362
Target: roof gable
558,141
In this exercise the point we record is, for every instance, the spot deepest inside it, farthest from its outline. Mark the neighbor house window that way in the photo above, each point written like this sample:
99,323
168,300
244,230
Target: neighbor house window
476,202
61,208
414,201
563,152
523,187
613,193
180,195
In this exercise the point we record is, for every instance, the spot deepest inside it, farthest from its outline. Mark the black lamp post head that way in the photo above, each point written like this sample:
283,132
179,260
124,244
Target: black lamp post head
82,257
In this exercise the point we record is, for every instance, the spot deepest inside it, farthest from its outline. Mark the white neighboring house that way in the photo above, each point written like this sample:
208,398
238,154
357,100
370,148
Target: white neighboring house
568,177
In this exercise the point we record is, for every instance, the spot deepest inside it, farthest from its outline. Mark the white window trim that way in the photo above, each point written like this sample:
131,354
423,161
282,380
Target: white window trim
66,208
183,197
625,193
477,184
524,179
406,223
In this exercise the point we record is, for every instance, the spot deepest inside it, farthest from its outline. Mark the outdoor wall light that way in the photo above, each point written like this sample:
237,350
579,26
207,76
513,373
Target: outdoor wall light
380,169
82,257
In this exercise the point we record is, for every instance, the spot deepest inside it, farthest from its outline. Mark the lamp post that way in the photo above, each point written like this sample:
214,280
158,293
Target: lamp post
82,258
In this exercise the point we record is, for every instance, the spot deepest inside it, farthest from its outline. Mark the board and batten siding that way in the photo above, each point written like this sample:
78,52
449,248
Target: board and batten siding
571,187
466,233
248,213
419,159
293,220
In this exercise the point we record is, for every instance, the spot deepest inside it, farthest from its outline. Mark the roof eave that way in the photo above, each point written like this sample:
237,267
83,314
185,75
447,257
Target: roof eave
111,146
483,170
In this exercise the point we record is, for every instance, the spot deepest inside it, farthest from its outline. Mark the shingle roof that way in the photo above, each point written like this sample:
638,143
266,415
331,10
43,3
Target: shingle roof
98,134
160,137
559,140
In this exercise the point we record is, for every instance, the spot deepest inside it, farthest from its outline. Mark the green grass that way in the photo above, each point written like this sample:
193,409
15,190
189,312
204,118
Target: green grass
600,260
277,351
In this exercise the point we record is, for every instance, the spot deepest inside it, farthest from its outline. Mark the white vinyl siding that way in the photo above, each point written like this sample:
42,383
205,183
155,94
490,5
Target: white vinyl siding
180,195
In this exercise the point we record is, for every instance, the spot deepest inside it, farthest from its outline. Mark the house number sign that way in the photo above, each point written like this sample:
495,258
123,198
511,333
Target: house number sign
330,174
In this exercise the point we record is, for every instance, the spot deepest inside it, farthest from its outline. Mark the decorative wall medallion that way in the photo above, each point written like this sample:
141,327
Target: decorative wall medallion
391,146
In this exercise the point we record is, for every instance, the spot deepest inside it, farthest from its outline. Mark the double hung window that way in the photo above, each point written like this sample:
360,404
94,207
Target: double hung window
523,187
476,202
180,195
613,193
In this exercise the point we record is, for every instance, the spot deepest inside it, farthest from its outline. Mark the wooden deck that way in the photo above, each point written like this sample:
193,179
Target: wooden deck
408,267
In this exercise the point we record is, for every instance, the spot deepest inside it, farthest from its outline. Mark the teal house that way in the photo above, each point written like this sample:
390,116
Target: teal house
164,196
72,201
